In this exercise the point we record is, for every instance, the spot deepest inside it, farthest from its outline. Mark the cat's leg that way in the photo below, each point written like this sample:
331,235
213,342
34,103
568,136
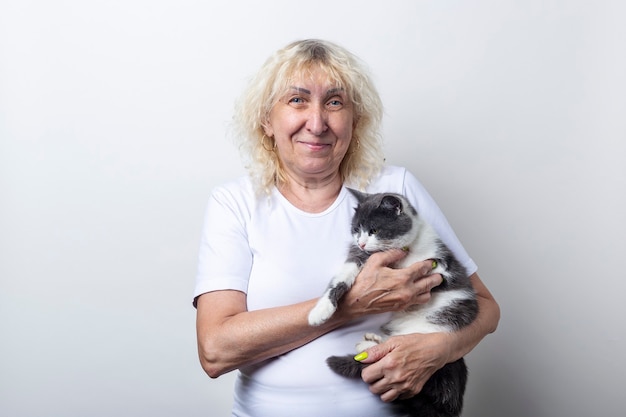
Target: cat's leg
327,304
369,340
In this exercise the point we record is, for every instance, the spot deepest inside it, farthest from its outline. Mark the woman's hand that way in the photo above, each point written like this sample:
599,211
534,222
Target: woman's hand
379,288
401,366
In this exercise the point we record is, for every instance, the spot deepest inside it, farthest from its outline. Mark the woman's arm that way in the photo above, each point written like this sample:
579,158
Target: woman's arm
401,366
486,322
230,337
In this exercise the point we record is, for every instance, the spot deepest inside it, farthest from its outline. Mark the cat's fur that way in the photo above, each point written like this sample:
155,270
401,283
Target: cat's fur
384,221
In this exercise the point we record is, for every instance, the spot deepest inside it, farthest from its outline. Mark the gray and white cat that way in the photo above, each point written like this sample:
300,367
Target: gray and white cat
385,221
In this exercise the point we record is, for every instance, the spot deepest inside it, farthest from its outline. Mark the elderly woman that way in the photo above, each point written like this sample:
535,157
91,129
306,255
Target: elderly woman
308,126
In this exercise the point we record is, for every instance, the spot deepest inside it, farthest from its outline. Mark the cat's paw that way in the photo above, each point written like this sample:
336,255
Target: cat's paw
373,337
369,340
322,311
364,345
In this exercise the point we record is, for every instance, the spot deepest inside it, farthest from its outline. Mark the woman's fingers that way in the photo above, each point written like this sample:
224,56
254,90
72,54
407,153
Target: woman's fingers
379,287
423,287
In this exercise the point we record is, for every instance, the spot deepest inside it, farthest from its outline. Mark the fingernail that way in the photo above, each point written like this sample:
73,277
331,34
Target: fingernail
361,356
434,265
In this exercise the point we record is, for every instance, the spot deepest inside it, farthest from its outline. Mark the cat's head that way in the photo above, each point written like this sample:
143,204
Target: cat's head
383,221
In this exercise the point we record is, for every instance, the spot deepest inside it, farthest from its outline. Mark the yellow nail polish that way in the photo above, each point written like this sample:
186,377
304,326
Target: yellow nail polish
361,356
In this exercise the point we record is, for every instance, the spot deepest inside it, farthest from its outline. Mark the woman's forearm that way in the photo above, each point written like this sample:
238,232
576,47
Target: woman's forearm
486,322
230,337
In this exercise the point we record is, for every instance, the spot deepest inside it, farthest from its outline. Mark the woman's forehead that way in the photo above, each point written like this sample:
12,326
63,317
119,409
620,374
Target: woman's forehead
316,73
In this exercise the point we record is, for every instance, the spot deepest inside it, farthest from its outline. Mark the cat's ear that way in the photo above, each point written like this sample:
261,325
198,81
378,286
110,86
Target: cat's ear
360,196
390,202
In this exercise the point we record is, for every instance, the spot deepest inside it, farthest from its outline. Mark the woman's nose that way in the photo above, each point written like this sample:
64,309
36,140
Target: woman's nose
317,122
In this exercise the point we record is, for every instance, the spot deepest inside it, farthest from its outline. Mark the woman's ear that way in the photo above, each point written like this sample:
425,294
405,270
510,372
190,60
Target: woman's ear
267,128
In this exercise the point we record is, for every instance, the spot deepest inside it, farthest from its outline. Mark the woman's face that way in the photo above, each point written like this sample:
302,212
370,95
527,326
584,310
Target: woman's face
312,126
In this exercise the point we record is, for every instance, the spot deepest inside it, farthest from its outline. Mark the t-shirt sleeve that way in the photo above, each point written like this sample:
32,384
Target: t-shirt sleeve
431,213
224,259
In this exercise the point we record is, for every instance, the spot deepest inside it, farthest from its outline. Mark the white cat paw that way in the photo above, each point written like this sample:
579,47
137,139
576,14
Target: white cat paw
372,337
322,311
369,340
364,345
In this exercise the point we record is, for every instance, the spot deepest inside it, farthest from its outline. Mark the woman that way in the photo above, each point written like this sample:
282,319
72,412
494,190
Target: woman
309,126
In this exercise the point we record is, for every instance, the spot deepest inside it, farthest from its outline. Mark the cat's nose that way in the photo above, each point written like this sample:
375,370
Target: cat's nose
362,245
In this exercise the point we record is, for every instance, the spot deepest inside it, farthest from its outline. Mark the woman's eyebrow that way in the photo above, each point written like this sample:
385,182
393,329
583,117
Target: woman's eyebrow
301,90
328,93
334,91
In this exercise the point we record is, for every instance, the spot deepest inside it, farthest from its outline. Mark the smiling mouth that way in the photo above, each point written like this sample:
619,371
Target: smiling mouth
315,146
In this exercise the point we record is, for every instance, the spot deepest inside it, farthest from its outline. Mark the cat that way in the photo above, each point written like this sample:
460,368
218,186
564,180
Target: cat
384,221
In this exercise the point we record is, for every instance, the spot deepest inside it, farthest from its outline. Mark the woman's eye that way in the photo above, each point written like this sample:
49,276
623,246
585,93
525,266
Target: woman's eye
296,100
335,104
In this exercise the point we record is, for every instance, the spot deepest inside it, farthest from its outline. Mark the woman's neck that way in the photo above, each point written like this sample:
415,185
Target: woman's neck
311,196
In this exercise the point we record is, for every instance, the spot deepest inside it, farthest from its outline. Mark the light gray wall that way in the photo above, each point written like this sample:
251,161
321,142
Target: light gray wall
112,133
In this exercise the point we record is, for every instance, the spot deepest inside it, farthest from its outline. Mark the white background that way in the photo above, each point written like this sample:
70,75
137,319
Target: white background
112,133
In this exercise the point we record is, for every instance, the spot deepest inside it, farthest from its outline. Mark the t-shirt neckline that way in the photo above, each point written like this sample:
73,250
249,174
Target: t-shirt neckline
286,203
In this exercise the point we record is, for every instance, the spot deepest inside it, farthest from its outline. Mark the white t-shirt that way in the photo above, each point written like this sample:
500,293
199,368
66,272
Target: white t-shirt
280,255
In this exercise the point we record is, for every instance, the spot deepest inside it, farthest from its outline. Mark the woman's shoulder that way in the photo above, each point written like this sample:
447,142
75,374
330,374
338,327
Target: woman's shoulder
392,178
237,188
393,172
236,195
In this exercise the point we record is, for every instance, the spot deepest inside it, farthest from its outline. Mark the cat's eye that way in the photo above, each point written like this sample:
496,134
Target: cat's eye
373,231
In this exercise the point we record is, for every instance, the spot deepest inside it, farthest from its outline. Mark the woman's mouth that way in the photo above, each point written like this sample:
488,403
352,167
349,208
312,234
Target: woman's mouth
315,146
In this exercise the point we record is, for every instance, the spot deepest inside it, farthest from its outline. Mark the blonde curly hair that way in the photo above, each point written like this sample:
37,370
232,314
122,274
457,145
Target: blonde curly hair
364,157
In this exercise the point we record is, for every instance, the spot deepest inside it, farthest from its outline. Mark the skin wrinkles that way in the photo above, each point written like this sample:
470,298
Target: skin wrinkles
312,126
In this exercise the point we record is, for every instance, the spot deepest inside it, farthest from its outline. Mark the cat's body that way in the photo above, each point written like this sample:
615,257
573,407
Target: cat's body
385,221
